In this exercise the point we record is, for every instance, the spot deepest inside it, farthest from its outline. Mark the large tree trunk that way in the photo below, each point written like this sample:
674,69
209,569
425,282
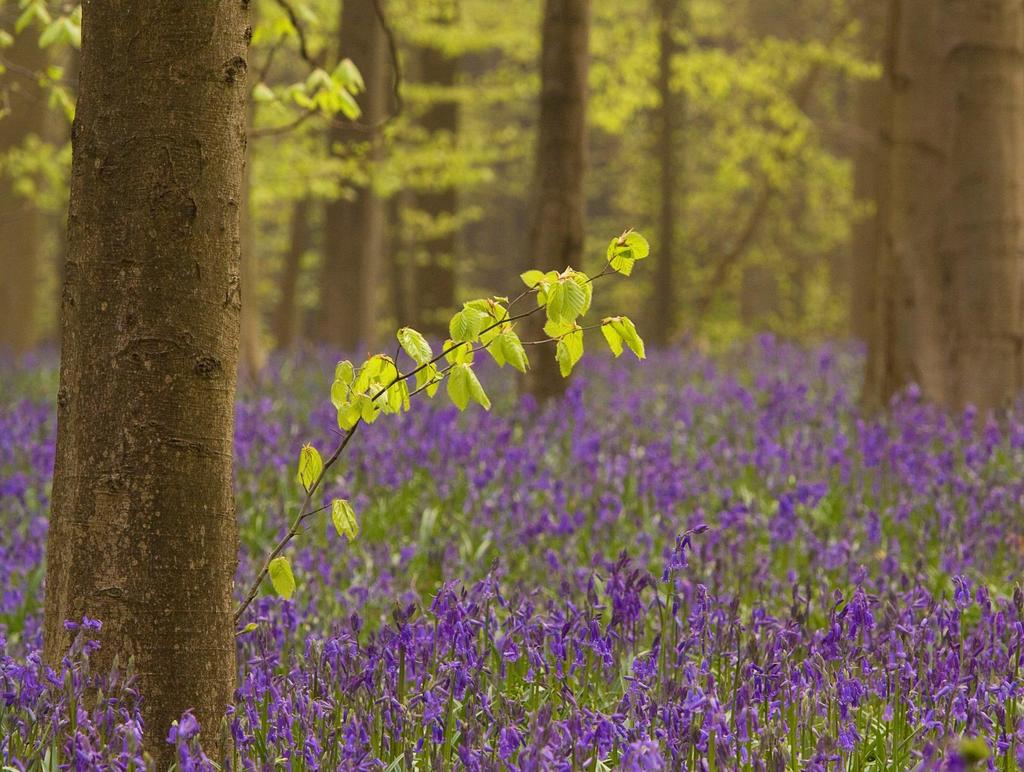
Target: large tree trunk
556,221
669,116
142,529
286,315
20,219
434,274
953,231
862,266
353,224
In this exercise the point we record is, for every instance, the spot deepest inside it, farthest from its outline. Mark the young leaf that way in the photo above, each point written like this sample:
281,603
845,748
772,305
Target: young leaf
339,394
281,577
629,246
344,519
458,386
345,372
566,300
476,390
460,355
612,336
348,415
415,345
557,329
588,290
569,351
310,466
624,326
532,278
512,350
467,324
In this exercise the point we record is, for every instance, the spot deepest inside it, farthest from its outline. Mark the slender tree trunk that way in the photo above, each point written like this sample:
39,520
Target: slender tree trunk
864,248
20,219
953,231
670,115
286,315
353,223
434,274
142,529
556,229
862,268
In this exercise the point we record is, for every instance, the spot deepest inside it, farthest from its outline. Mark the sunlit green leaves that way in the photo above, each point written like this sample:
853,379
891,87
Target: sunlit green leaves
568,351
466,324
612,336
566,300
464,386
344,519
415,345
281,577
623,331
310,467
625,250
507,348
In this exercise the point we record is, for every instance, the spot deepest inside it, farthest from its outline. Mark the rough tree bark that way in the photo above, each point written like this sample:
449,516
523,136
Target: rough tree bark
669,117
353,224
142,529
950,307
557,208
434,274
20,219
862,267
286,314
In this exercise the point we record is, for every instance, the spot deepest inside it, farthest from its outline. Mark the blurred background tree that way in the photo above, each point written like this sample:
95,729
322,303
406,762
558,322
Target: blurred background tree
395,148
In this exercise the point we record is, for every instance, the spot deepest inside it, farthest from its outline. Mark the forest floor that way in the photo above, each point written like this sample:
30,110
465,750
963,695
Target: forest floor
690,562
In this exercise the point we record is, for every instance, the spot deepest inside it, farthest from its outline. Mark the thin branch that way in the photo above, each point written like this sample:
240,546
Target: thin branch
300,32
305,511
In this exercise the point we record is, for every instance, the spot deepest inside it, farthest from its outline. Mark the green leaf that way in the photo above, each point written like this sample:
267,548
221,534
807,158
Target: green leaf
415,345
460,355
428,375
566,300
512,350
532,278
558,329
612,336
458,386
263,93
569,351
281,577
464,386
588,290
310,466
629,246
467,324
349,76
345,372
624,326
348,415
344,519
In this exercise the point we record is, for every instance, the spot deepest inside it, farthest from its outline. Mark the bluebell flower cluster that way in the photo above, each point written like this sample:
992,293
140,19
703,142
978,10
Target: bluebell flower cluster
701,563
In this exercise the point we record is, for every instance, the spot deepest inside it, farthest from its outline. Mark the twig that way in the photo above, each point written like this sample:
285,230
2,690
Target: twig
293,19
305,511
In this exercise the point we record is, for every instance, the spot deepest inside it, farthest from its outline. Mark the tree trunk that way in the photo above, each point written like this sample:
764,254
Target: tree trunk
862,267
434,274
556,221
666,302
20,219
142,529
286,315
953,232
353,224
